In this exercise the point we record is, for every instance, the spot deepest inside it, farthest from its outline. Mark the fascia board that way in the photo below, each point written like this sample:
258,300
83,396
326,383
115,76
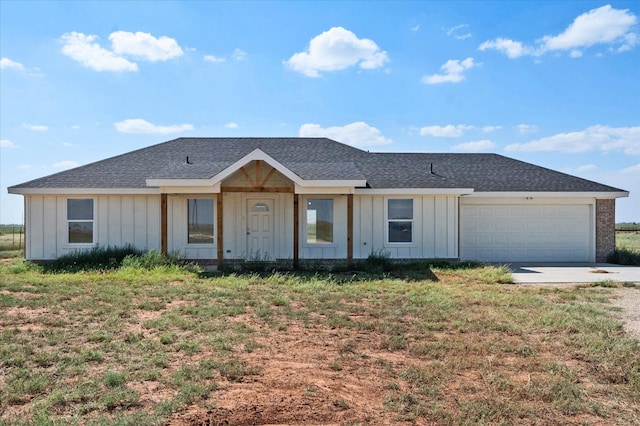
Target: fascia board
324,189
191,189
75,191
414,191
540,194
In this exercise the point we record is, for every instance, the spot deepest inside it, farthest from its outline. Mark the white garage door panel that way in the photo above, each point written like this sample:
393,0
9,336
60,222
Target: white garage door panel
534,233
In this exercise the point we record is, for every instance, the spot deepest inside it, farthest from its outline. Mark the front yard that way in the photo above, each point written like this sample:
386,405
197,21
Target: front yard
434,346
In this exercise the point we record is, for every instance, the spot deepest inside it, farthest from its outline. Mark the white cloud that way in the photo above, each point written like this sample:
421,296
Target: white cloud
84,49
8,64
144,46
477,146
35,127
75,127
586,168
453,71
66,164
354,134
337,49
513,49
448,131
214,59
138,125
416,28
631,170
604,25
630,41
488,129
239,55
523,129
593,138
231,125
455,33
6,143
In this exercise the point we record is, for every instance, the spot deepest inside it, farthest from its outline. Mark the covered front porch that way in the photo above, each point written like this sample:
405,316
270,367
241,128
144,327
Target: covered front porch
257,210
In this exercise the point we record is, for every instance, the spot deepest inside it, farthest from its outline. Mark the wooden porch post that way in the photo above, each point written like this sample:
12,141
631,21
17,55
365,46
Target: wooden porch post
163,224
350,229
296,231
219,228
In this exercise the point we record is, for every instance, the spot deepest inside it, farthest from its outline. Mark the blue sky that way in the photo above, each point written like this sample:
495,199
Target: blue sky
552,83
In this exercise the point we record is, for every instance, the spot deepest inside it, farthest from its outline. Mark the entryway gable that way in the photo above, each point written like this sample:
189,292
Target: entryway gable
257,176
256,157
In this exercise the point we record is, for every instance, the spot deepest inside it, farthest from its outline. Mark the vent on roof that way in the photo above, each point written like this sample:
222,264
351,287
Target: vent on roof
188,162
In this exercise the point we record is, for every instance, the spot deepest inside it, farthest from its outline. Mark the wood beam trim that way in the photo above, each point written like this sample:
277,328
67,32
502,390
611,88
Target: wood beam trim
296,231
258,173
269,176
219,230
279,189
164,244
350,229
247,177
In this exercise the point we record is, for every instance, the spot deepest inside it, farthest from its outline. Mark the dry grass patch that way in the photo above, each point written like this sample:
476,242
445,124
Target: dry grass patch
133,347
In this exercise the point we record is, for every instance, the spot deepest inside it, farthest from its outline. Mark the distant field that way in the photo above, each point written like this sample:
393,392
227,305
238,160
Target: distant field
11,241
628,240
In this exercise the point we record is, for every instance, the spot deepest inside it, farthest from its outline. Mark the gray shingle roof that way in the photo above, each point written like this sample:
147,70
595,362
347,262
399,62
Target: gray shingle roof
318,159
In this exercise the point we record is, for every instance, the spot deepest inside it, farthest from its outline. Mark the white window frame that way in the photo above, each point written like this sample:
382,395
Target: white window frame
306,241
213,200
93,221
387,221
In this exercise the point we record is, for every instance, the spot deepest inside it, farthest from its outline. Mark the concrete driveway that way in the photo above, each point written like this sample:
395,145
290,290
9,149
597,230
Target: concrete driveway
573,273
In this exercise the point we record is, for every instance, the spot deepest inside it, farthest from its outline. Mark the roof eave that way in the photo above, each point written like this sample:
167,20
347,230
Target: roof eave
414,191
552,194
82,191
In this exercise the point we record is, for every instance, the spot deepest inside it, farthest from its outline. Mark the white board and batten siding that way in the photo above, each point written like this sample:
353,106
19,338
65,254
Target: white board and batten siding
521,230
119,220
434,229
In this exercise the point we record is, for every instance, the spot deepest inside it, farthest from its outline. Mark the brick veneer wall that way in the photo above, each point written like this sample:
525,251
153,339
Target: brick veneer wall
605,228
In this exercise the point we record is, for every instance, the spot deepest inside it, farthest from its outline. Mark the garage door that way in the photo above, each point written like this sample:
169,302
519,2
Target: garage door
525,233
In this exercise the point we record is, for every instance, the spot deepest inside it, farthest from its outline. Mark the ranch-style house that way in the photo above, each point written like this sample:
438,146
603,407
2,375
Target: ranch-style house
218,199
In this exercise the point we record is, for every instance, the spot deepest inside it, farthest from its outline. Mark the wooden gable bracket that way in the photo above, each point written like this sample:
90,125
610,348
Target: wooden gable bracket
257,184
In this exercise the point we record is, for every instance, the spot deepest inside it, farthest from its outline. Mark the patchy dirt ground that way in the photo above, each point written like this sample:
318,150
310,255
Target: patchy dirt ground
313,376
307,375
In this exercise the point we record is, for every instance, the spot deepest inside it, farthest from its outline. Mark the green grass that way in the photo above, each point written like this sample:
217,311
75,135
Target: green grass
628,240
627,249
447,344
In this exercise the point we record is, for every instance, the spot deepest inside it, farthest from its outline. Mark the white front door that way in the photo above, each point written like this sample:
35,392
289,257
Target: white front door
260,236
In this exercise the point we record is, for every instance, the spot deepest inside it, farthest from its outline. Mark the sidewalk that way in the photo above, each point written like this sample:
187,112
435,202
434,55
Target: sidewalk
573,273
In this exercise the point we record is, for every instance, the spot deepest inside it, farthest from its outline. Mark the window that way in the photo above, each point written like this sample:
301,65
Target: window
80,220
260,207
200,223
319,220
400,220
